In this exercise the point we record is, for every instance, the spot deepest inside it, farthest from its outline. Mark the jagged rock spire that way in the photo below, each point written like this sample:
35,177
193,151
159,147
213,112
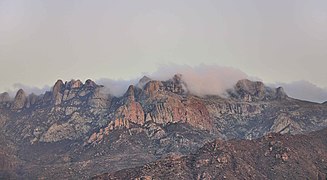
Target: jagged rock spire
129,95
57,87
20,100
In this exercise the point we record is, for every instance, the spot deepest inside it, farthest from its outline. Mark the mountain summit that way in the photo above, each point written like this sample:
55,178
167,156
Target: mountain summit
78,130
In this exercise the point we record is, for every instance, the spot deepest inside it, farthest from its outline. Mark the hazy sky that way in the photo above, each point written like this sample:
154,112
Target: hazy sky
277,41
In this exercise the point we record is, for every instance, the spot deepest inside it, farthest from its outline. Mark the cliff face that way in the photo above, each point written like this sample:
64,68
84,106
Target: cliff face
79,123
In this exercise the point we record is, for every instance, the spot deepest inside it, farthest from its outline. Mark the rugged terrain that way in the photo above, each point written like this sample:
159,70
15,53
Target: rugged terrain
78,130
273,156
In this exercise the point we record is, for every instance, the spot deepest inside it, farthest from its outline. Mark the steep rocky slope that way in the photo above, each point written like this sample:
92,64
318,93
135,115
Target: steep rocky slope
78,130
273,156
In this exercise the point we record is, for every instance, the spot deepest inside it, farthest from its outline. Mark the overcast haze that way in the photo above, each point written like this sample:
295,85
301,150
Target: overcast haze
280,42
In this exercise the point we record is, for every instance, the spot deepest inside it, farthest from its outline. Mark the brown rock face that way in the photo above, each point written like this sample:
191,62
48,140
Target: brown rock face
162,102
173,109
152,87
20,100
131,110
129,95
198,115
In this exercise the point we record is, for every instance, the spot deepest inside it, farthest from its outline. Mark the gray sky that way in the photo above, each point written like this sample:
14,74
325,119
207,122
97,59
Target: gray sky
276,41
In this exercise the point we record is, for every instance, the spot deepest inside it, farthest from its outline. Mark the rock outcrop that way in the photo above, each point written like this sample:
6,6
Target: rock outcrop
57,92
130,111
20,100
76,129
280,93
271,157
176,85
256,91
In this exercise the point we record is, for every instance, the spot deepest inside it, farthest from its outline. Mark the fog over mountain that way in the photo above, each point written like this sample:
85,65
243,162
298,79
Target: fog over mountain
77,130
201,80
277,41
305,90
165,89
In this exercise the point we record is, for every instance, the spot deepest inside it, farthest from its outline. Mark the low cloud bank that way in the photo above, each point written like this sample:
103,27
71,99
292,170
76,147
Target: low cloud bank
305,90
201,80
116,87
28,89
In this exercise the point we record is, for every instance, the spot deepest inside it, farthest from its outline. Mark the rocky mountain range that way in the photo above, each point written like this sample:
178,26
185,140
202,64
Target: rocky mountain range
273,156
77,130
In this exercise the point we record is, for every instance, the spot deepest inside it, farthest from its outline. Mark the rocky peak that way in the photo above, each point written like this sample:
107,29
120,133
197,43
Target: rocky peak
90,84
152,87
176,85
57,91
74,84
57,87
20,100
129,95
4,97
142,82
280,93
256,91
246,86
